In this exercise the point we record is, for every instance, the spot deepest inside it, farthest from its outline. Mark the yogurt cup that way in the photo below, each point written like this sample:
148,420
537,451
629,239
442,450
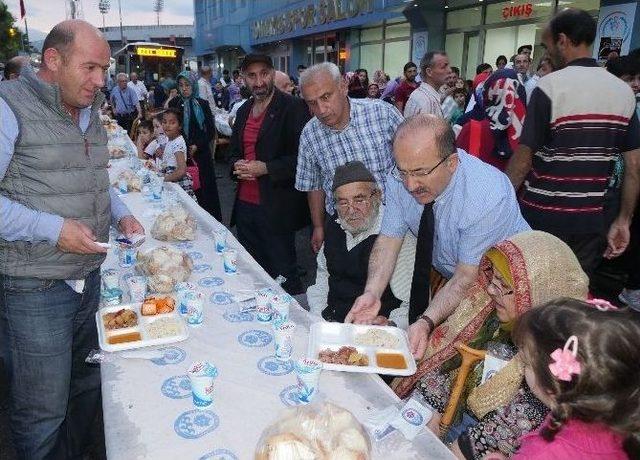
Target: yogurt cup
308,378
220,239
284,341
263,309
127,257
201,375
137,288
193,303
280,307
230,261
110,279
123,187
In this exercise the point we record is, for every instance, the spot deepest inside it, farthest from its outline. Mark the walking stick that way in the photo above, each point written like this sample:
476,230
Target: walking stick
469,358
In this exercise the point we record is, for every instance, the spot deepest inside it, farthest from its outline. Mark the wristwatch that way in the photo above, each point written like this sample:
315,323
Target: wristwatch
428,320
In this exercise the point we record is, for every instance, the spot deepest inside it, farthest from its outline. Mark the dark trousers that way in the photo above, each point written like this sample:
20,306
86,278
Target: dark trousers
125,120
46,332
588,248
632,255
274,251
207,195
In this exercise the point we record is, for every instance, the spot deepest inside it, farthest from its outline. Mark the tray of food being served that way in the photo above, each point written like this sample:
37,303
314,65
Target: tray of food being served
153,322
361,348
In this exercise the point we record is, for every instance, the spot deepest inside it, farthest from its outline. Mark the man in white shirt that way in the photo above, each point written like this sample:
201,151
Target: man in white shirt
140,89
204,87
434,71
545,67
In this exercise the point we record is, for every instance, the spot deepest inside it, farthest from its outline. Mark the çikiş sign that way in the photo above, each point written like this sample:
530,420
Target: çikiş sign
155,52
517,11
325,12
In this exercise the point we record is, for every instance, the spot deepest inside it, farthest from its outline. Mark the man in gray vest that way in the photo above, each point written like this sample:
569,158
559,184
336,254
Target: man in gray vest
55,204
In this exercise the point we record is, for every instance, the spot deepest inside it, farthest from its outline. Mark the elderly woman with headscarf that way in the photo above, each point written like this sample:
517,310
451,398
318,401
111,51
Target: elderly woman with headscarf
516,275
199,128
491,131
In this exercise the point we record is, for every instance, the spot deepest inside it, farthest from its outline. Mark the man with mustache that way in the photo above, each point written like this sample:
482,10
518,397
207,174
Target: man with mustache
343,129
349,237
264,150
474,207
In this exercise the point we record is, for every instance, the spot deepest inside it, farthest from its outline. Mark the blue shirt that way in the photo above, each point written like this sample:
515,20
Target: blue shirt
368,138
477,209
124,101
18,222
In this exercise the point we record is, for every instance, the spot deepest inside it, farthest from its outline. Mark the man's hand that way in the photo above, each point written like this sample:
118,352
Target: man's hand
617,238
129,225
419,338
317,238
364,310
255,168
240,172
77,238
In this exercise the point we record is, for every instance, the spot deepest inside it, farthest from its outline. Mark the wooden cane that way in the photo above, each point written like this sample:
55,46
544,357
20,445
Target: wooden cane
469,358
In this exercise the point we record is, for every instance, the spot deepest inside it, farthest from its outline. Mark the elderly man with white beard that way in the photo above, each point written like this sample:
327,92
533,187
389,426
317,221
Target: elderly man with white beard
344,256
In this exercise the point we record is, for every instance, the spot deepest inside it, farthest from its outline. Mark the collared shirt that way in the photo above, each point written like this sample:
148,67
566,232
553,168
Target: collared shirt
205,92
368,138
425,99
139,88
477,209
18,222
124,101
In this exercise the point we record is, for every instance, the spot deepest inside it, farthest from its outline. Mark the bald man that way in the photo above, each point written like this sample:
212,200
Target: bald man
474,207
55,205
13,67
284,83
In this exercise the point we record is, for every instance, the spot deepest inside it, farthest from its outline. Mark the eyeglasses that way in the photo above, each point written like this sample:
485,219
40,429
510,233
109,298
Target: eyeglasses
497,283
402,175
357,202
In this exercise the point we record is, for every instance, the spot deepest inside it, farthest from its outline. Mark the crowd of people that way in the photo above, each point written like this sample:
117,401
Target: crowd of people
475,214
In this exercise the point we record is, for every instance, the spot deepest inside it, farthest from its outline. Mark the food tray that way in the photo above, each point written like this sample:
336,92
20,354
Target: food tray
143,321
325,335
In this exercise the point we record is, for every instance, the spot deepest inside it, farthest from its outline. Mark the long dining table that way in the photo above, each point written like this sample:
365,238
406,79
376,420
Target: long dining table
147,404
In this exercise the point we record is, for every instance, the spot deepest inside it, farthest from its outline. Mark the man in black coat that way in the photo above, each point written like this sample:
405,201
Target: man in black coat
264,153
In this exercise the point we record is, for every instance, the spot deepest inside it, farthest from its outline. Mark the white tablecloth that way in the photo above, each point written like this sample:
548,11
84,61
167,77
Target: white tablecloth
148,411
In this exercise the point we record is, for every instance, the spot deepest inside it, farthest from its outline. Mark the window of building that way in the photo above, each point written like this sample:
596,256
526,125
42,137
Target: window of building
469,17
385,46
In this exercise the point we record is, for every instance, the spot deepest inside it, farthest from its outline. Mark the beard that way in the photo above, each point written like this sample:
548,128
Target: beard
368,222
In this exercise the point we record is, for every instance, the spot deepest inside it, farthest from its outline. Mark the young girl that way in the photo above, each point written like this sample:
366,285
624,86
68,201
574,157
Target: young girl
581,361
159,139
174,157
144,138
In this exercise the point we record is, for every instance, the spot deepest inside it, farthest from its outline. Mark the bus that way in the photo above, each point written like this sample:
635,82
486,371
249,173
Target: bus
151,61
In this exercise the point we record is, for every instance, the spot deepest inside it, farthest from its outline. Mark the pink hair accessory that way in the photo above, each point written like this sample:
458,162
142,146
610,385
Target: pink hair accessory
565,364
602,305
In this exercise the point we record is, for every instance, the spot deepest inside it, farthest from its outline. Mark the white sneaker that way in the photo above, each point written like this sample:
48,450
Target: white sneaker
631,297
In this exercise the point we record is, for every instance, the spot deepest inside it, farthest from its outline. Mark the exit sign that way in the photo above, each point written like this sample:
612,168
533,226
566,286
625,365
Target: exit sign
524,10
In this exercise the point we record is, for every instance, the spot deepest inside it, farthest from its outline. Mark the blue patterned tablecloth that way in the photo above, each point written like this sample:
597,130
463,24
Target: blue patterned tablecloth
147,405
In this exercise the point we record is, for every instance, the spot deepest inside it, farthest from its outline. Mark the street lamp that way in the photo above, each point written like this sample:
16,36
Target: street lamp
104,6
158,6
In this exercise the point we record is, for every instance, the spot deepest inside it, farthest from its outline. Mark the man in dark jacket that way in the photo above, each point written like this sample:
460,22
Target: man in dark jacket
264,151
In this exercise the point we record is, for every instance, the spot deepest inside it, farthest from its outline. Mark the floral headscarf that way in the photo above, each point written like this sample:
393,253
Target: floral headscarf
543,268
191,104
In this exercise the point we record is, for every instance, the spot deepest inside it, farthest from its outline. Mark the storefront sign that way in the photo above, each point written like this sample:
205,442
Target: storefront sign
155,52
522,11
615,25
324,12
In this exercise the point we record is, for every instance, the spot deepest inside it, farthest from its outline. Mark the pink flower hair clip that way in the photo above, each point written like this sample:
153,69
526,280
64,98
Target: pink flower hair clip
602,305
565,364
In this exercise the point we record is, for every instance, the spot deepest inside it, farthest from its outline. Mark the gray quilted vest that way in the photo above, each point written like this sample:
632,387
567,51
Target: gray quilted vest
56,169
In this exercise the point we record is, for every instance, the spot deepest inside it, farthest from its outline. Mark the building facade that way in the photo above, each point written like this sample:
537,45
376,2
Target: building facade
385,34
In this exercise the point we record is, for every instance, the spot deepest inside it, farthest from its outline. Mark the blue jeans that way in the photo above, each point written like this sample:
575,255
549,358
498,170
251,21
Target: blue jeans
46,332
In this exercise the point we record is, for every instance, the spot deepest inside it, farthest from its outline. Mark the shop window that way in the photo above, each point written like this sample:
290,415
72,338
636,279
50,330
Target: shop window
588,5
396,55
505,12
469,17
371,34
371,58
506,40
454,46
401,30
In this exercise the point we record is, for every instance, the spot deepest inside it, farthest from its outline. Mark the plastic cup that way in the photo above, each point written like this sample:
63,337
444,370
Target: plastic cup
127,257
263,309
156,188
230,260
181,289
220,238
284,340
280,307
201,375
137,288
123,187
194,304
110,279
308,377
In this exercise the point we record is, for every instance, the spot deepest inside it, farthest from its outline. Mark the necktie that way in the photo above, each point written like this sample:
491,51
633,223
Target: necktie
419,300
